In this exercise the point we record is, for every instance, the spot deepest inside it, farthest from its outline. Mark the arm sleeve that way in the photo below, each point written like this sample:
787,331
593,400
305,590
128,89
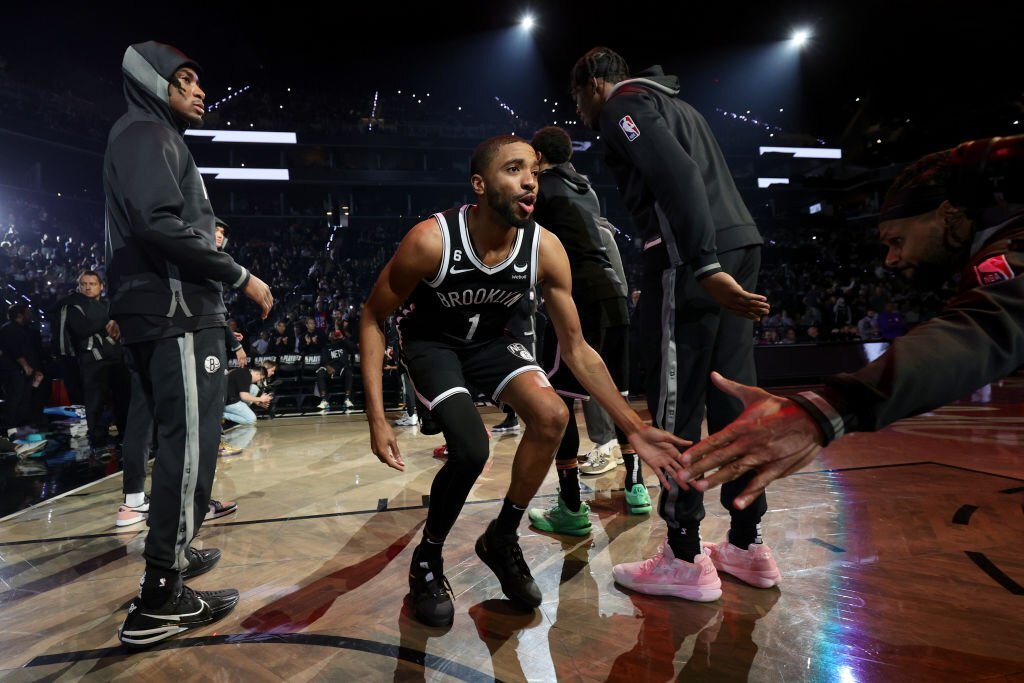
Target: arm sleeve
149,163
977,339
669,172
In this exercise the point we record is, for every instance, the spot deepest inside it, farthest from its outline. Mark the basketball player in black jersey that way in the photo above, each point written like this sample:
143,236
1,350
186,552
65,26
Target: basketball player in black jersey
457,278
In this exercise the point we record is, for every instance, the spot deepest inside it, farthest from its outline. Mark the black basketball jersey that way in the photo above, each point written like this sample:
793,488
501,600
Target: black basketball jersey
468,302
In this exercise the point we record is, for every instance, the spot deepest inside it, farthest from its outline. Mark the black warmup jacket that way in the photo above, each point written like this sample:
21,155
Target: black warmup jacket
163,269
672,173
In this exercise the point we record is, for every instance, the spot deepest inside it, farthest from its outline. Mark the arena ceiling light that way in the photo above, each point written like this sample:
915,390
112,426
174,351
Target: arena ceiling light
527,22
252,136
800,38
245,173
805,152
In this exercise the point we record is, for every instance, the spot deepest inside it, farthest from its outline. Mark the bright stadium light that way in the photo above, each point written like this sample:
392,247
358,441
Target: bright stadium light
527,22
800,37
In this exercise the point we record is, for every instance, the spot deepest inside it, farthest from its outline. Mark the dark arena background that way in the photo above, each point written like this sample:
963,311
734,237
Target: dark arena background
330,130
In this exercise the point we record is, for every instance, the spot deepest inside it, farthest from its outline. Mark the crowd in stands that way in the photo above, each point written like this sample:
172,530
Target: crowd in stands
823,274
824,278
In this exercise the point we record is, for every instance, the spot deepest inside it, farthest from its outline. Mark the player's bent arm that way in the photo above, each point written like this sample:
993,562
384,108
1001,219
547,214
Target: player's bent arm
418,257
582,359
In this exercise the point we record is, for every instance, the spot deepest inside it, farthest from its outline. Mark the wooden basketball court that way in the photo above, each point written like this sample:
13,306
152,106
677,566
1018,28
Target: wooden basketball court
901,554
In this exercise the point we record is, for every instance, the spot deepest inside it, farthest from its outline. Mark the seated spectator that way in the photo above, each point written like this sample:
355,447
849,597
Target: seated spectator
281,339
261,345
867,328
313,339
811,316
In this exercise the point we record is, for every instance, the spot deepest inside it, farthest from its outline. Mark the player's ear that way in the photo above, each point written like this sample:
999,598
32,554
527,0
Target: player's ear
478,184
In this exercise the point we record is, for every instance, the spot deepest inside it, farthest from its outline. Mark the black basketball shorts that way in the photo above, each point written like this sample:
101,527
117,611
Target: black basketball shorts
439,370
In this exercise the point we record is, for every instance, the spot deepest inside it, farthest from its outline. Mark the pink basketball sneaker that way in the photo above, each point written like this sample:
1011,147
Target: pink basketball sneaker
754,566
663,574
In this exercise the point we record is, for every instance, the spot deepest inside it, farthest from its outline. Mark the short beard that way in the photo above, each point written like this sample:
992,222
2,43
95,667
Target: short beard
939,263
505,210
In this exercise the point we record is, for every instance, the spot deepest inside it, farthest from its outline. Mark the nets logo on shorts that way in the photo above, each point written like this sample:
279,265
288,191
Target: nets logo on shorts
211,364
520,350
629,128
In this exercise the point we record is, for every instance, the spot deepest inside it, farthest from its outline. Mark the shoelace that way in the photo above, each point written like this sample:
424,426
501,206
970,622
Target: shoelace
651,562
435,586
516,552
441,586
186,593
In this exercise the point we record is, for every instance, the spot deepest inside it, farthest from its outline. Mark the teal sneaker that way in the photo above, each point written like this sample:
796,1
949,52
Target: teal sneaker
560,519
638,500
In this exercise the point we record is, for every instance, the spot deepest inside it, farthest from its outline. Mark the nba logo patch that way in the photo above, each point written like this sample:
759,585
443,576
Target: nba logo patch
993,270
629,128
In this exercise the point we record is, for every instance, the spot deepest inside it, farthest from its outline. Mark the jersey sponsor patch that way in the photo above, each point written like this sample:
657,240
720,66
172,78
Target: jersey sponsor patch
629,128
993,270
520,350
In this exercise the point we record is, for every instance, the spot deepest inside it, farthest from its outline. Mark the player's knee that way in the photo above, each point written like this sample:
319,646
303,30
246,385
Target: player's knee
467,447
464,433
548,419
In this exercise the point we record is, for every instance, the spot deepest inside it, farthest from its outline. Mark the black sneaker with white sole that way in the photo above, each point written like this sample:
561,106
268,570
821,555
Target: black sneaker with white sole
430,593
188,610
200,561
509,424
505,558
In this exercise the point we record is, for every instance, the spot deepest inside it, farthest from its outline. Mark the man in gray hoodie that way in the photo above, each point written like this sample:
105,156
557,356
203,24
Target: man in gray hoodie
165,276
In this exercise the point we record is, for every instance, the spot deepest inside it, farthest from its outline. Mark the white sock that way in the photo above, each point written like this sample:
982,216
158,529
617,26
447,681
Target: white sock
134,500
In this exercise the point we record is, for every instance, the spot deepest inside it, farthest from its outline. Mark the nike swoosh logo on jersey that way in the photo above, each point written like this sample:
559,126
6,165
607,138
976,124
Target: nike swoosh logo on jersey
520,270
456,271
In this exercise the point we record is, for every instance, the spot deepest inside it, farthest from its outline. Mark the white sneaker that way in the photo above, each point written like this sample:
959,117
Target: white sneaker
663,574
407,421
349,404
128,515
605,448
324,405
600,460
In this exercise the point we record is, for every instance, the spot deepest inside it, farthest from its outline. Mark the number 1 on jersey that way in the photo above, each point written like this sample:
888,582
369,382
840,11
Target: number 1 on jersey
474,321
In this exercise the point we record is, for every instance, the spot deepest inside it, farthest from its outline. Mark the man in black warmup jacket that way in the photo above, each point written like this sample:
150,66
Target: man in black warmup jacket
165,276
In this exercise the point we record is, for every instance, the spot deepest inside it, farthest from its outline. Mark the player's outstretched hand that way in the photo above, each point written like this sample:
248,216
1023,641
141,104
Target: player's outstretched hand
660,451
773,436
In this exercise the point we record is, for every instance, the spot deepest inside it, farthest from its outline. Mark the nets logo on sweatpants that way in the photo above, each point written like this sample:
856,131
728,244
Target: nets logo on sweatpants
211,364
520,350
